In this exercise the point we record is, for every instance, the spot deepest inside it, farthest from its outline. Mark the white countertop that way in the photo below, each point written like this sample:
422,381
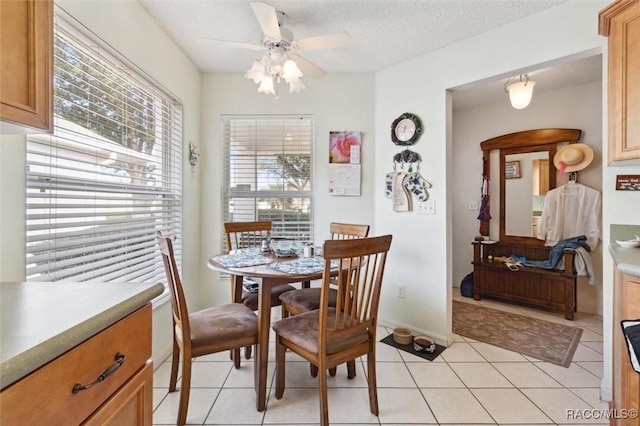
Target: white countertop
40,321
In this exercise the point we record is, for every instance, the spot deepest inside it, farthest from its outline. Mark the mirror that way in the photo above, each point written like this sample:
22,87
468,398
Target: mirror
525,191
527,173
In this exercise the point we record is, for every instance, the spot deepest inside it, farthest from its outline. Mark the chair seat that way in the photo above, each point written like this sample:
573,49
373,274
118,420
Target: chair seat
221,328
307,299
250,300
302,330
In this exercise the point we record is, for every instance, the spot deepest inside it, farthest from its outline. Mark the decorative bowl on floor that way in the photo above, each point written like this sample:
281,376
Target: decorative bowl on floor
286,248
402,336
424,344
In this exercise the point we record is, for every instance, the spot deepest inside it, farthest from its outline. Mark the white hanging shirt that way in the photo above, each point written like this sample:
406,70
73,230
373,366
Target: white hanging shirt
569,211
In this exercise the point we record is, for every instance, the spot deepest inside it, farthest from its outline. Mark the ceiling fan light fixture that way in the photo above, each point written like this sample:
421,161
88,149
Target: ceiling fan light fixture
291,72
256,72
520,92
266,86
296,86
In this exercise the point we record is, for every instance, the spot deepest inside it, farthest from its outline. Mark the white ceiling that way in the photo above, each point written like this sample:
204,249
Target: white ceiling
384,33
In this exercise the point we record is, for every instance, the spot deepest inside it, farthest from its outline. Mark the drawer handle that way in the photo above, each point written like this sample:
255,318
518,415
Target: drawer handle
120,358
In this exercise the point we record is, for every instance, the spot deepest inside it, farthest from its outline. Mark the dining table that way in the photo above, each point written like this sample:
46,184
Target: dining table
268,271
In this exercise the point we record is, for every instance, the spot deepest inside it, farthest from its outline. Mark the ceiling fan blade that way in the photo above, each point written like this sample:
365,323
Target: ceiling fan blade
307,67
267,18
232,44
328,41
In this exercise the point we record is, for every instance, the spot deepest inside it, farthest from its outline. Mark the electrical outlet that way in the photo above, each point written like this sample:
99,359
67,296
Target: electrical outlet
473,205
401,291
426,207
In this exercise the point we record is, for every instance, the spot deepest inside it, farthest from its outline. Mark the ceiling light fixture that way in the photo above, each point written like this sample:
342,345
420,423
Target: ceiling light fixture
271,69
520,92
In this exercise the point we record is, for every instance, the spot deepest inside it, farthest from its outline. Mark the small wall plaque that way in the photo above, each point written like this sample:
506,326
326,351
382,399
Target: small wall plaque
512,169
628,182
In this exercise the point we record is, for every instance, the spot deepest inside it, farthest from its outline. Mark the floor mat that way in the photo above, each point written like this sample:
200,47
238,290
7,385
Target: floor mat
409,348
545,340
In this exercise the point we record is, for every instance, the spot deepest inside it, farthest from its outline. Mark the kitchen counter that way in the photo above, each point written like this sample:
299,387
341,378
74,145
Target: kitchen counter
627,260
40,321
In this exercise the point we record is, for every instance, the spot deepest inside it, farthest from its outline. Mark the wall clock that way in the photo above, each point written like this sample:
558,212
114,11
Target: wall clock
406,129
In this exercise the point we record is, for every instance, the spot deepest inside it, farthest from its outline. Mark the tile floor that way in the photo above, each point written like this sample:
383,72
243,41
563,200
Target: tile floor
469,383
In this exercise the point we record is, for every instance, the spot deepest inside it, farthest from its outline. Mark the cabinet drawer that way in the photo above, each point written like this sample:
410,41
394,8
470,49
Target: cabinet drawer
45,396
130,405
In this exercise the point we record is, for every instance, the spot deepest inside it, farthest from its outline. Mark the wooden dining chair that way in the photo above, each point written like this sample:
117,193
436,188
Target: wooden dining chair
330,336
308,299
251,234
216,329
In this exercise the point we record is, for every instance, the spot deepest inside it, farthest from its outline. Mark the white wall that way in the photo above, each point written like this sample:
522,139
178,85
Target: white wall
338,102
126,27
422,253
577,107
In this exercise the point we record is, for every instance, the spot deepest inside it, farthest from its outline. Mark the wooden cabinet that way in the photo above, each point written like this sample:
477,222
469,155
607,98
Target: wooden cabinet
120,355
620,22
626,392
540,177
26,62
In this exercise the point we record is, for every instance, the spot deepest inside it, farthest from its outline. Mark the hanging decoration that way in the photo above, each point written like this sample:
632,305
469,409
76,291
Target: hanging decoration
401,185
194,156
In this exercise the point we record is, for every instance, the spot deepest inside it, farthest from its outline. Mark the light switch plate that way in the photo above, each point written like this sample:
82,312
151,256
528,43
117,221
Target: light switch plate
426,207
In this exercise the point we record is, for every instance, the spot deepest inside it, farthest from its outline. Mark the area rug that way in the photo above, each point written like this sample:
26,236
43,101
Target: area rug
544,340
409,348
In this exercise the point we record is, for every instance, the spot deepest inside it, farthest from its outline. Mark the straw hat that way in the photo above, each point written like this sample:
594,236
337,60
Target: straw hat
573,157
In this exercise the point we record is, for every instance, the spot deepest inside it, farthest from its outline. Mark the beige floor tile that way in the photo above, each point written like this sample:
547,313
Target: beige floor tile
574,376
200,402
591,396
162,375
525,375
480,375
393,375
243,377
298,405
297,375
558,404
235,406
596,346
212,374
350,405
461,352
403,406
585,353
509,406
455,406
158,396
496,354
386,352
436,375
590,336
409,357
594,367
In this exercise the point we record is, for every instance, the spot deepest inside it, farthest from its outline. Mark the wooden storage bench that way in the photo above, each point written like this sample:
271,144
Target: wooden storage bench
550,289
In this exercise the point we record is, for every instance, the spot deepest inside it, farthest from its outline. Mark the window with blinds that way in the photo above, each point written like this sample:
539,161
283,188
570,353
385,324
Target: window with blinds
109,177
268,172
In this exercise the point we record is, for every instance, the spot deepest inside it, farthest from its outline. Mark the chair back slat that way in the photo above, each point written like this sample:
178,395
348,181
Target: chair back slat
246,234
359,280
347,231
178,301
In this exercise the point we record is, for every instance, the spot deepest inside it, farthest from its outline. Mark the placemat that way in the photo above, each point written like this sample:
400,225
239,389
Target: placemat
302,266
243,258
409,348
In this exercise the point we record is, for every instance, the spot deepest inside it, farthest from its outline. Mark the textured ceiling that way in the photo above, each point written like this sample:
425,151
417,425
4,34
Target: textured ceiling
384,33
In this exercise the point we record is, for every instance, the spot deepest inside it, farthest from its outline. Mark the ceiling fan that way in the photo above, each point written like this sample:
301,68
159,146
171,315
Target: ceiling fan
281,62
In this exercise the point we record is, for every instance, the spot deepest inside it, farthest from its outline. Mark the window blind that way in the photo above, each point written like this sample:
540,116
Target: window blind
268,172
109,177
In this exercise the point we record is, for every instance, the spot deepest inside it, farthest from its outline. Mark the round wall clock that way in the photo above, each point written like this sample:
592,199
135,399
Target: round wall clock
406,129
